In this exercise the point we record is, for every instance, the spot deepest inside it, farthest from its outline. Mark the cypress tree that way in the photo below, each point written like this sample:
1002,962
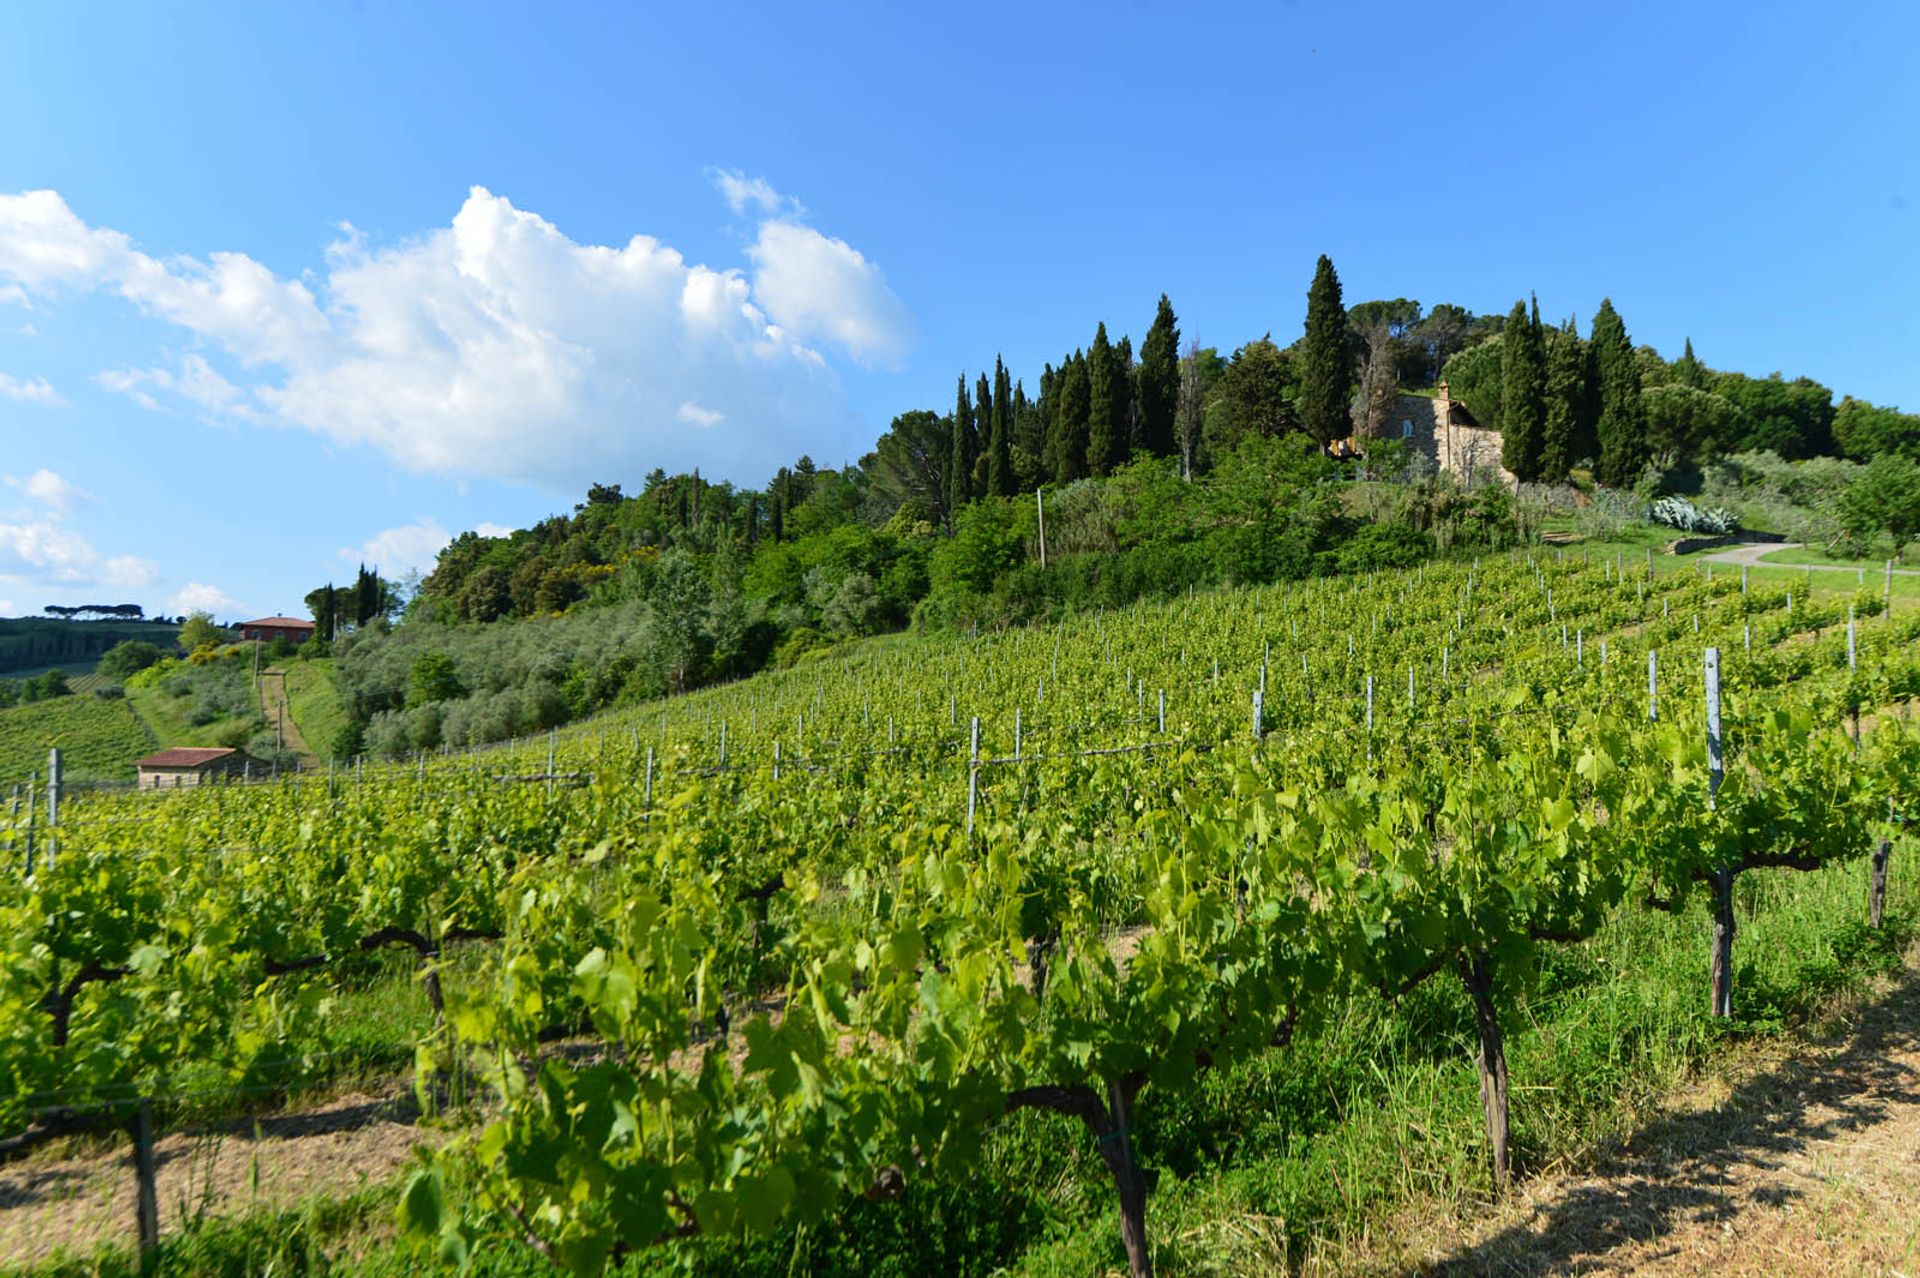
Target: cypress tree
1126,407
1105,436
1326,375
1029,437
1067,433
1159,381
982,434
1689,371
1621,425
1000,477
1523,392
366,596
1566,394
960,455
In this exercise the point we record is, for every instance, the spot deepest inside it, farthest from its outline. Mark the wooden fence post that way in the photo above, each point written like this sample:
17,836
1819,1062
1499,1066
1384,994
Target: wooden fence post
147,1200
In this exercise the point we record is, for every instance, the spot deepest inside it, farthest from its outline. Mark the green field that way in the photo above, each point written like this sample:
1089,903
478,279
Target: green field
165,719
98,739
315,705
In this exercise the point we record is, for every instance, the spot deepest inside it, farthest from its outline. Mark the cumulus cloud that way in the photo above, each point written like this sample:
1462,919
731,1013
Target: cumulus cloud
409,548
30,390
130,572
822,289
746,195
497,345
489,529
42,549
197,596
694,415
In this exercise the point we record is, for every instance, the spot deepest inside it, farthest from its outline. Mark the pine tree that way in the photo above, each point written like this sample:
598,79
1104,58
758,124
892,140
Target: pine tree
960,456
1159,381
1000,477
1067,433
1566,394
1621,425
1326,376
1523,392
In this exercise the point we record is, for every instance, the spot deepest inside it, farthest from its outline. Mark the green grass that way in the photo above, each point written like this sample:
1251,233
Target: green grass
98,739
166,718
1809,555
314,703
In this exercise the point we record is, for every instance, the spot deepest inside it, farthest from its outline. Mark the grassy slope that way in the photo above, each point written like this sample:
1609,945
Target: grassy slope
98,740
315,705
166,718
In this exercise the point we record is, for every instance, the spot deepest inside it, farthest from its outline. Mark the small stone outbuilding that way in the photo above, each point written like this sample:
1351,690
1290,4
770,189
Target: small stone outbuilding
1442,430
188,765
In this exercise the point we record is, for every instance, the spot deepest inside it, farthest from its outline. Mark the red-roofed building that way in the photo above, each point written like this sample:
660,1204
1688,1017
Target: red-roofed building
188,765
267,629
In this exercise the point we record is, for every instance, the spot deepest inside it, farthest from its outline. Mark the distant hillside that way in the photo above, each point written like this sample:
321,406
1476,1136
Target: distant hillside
34,643
98,739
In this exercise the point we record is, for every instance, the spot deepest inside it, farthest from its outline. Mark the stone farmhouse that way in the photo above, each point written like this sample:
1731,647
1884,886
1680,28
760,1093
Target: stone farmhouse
1441,430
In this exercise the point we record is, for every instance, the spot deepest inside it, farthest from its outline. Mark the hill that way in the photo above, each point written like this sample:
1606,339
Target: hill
31,644
98,738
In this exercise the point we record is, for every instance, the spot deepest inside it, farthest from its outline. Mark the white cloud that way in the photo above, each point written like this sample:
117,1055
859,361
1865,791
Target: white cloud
823,289
397,551
694,415
496,345
31,390
13,294
756,194
197,596
50,489
495,530
130,571
196,381
42,549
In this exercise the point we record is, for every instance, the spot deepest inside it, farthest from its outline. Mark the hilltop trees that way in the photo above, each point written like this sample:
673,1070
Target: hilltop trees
1566,391
1523,392
1326,379
963,448
1106,432
1159,381
1621,423
1000,475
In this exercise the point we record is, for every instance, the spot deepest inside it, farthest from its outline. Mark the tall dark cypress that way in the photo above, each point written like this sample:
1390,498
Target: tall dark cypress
1106,438
982,433
1326,374
1621,426
1030,436
1566,395
1000,477
1159,381
1067,433
961,454
1523,393
366,595
1126,405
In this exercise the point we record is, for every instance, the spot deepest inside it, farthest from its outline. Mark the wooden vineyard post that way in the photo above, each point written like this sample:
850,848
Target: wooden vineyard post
53,803
1040,507
973,773
147,1197
1723,922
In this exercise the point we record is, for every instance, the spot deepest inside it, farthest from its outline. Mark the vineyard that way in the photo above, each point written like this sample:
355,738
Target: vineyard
717,967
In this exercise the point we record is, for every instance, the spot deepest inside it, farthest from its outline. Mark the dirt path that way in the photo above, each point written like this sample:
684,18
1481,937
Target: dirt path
1791,1161
275,708
1753,554
80,1202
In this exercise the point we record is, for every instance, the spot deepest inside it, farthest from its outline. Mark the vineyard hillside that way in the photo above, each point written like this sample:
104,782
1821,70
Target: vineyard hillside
98,738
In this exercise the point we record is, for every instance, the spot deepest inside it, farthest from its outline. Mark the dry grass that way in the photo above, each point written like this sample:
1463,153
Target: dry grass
78,1201
1789,1159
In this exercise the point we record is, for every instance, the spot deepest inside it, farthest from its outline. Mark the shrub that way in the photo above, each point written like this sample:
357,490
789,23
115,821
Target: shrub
1681,514
128,657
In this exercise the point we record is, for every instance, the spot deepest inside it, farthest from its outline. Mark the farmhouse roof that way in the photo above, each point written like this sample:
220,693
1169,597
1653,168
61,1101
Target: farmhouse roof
279,621
182,757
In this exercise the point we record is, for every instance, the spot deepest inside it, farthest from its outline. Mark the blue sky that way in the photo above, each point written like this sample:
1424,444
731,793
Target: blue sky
283,285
